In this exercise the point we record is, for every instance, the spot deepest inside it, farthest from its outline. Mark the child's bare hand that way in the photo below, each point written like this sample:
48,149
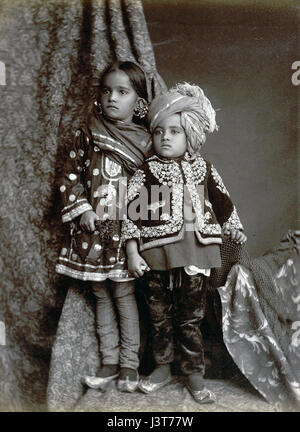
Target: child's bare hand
87,220
236,235
137,265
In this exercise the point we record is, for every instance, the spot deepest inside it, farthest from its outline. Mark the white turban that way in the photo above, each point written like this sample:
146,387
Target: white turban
197,114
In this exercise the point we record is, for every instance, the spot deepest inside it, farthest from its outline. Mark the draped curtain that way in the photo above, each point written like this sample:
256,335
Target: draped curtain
261,305
54,52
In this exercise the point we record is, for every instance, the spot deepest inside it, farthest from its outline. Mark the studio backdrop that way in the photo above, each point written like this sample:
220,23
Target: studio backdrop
53,52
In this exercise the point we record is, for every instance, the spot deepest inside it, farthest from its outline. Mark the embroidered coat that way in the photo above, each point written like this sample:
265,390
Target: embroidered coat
157,193
102,158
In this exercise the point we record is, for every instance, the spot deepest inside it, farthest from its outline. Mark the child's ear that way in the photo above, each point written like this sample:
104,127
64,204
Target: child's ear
141,108
98,106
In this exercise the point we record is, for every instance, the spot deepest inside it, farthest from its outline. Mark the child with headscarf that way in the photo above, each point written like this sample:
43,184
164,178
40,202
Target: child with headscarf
107,149
178,209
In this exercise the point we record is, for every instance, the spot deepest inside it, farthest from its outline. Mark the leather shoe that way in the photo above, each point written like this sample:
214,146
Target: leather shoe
127,386
99,382
203,396
146,386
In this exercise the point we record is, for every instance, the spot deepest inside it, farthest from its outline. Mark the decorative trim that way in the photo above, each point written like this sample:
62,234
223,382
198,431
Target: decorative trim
187,169
167,174
135,183
129,231
208,240
199,170
233,222
106,137
217,178
86,265
117,150
175,223
77,211
162,241
97,277
73,204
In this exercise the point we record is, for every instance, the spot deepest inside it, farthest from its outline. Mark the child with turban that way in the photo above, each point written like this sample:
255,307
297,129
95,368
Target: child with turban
178,209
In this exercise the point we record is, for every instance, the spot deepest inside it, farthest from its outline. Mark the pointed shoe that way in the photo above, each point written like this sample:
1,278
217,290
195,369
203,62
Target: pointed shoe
99,382
127,386
203,396
146,386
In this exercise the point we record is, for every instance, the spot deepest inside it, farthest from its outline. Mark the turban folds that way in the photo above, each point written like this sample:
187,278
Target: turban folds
197,114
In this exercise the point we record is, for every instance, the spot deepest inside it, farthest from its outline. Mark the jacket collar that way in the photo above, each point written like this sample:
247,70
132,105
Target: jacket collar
186,157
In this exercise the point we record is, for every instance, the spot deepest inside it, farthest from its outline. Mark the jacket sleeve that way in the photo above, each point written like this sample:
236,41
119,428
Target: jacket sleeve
72,188
131,225
219,197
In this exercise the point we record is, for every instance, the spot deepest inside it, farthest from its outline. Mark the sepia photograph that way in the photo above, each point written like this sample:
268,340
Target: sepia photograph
150,209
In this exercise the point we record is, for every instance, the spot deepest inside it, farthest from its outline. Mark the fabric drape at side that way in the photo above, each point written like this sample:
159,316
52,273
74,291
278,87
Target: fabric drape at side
261,322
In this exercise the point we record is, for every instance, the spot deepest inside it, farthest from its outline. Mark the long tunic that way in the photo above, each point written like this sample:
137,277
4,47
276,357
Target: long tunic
103,157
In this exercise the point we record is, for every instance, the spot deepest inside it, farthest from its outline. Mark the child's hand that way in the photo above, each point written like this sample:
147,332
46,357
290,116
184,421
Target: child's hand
235,235
137,265
87,220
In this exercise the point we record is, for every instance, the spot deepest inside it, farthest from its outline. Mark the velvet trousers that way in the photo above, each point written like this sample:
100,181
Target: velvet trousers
176,303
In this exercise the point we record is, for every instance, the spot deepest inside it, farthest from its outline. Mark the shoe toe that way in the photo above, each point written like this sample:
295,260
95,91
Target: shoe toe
203,396
99,382
146,386
93,382
127,386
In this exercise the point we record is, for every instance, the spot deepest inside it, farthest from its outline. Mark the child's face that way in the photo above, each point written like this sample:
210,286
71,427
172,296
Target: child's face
118,97
169,139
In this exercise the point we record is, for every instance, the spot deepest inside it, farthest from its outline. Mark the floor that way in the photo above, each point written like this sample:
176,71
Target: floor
233,395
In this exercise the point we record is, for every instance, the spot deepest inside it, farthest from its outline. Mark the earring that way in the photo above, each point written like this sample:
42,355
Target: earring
98,107
141,108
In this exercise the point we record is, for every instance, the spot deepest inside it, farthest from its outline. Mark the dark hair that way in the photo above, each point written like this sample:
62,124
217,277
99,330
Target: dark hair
135,74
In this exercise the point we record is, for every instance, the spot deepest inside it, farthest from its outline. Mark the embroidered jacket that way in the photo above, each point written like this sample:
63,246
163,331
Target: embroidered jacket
161,191
103,155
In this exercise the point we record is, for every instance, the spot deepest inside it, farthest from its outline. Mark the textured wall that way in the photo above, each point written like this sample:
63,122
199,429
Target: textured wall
242,57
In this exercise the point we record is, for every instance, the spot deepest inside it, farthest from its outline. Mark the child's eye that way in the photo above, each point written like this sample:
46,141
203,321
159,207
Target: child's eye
157,132
105,91
174,131
123,92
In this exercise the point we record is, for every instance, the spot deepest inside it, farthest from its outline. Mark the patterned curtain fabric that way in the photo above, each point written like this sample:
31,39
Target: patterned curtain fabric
261,325
53,52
